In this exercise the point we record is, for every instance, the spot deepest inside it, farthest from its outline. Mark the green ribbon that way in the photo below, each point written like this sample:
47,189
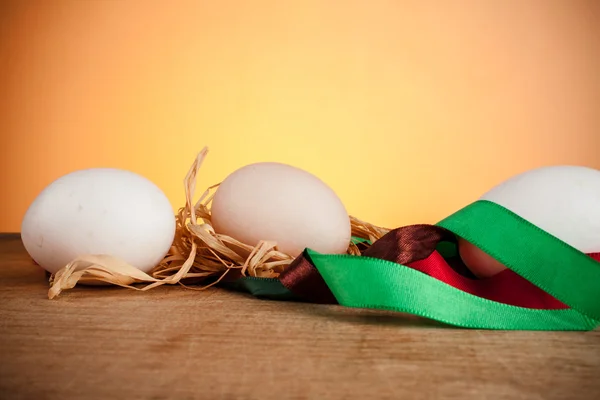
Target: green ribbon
562,271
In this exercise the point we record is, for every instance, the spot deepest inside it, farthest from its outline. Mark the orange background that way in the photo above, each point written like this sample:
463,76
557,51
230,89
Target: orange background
408,109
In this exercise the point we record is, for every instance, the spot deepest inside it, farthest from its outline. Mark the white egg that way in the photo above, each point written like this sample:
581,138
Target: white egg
281,203
562,200
99,211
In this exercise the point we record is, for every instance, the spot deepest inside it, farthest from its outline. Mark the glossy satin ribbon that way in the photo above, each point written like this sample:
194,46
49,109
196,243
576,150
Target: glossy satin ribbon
416,269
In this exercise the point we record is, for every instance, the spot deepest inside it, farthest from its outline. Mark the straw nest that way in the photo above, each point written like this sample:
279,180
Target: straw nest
198,256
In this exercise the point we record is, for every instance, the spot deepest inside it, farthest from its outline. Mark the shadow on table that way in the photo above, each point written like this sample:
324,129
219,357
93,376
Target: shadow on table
368,317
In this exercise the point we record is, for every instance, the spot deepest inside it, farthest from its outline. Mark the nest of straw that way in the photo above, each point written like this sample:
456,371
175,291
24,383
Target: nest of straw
199,256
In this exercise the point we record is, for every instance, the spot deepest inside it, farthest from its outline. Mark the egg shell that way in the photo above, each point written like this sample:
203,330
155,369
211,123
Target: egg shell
99,211
562,200
481,264
281,203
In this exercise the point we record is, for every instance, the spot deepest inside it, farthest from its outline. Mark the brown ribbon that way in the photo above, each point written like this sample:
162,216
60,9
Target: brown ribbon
402,245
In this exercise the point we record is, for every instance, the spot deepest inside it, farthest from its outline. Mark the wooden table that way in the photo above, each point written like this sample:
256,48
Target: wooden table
175,343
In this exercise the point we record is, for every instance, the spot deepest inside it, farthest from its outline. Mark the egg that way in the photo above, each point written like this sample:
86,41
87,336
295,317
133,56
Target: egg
281,203
562,200
99,211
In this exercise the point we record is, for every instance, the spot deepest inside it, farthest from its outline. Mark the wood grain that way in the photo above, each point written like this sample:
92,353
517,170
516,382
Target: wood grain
174,343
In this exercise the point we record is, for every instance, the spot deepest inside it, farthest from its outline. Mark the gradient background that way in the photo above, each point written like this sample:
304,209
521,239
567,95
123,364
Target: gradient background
408,109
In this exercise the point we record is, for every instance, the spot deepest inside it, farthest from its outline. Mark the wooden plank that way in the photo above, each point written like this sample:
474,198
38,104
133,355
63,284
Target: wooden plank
177,343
